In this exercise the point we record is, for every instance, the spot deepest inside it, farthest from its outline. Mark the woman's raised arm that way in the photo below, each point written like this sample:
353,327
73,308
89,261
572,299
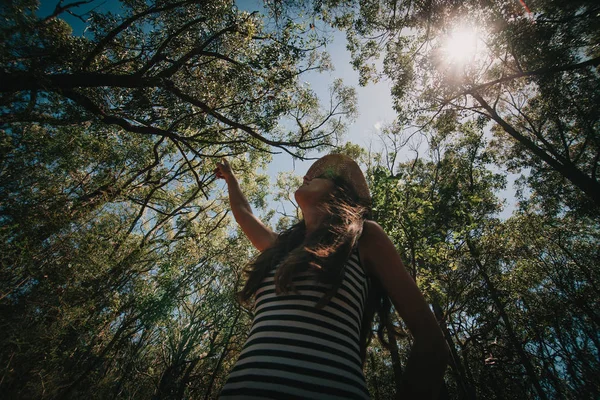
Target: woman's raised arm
261,236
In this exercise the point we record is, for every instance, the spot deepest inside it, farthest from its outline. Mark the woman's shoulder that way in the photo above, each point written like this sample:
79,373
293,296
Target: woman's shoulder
372,234
371,231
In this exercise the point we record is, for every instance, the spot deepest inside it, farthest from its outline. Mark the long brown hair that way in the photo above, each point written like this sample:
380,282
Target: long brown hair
324,251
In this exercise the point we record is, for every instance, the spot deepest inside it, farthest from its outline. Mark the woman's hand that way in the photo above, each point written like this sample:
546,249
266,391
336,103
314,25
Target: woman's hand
261,236
223,170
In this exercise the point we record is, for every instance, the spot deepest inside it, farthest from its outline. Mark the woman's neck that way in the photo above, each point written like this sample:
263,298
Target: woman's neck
312,220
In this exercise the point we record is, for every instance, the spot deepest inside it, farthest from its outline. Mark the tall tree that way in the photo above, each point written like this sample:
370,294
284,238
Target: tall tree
427,206
516,299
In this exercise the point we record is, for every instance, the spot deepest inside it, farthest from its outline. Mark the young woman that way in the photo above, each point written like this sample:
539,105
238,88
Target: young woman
315,288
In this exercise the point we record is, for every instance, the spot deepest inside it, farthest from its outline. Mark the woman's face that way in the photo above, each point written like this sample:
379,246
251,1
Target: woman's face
313,190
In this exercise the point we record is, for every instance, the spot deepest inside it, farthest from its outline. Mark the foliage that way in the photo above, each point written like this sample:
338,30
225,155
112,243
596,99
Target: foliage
529,67
516,299
118,257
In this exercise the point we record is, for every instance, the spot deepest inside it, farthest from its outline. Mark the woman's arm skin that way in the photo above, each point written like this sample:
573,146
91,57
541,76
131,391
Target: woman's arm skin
423,376
261,236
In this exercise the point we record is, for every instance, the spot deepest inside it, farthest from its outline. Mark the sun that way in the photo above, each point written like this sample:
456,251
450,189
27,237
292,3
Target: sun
460,47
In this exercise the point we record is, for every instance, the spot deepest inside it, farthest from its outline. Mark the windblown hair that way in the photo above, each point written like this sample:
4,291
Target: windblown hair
324,251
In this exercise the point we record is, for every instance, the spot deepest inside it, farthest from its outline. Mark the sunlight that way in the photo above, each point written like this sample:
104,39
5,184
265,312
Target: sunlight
461,46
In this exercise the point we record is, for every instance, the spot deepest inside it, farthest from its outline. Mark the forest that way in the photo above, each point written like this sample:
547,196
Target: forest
120,258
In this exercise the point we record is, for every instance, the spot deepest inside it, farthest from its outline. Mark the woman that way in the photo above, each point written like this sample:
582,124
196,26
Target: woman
315,288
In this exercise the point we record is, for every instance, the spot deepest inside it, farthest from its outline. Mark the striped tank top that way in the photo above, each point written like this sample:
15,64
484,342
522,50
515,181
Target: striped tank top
296,351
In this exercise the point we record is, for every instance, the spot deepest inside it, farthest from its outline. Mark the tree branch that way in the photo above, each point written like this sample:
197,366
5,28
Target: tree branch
562,166
18,81
206,108
124,25
59,9
92,107
157,55
194,52
594,62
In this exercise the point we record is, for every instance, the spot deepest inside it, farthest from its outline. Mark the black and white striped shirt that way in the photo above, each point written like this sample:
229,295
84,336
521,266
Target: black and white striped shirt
296,351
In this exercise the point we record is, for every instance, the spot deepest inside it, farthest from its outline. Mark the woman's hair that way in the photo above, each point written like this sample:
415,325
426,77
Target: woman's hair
324,251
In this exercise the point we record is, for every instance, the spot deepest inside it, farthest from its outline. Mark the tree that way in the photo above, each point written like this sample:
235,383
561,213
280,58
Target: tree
554,270
515,299
192,73
427,206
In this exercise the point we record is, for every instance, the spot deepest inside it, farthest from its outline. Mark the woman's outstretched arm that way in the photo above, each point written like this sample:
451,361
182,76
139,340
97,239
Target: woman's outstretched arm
261,236
423,376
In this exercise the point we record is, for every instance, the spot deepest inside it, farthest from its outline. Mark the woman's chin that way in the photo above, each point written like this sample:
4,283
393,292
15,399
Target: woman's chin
298,194
303,196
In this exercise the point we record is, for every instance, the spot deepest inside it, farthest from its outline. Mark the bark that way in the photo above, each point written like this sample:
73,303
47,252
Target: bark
19,81
395,354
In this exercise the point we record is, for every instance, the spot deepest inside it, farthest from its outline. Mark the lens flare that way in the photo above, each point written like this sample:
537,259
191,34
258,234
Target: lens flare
461,46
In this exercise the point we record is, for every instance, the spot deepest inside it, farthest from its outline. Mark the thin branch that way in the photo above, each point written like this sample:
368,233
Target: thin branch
220,56
59,9
124,25
185,97
168,72
92,107
159,52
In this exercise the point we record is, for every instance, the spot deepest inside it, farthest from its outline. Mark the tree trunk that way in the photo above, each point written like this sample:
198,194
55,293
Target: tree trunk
119,336
515,342
395,354
222,357
456,365
567,169
373,365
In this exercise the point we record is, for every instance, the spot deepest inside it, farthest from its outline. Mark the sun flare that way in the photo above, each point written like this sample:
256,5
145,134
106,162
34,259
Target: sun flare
460,47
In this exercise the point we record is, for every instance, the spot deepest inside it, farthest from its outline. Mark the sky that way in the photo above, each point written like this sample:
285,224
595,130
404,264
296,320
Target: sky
374,100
